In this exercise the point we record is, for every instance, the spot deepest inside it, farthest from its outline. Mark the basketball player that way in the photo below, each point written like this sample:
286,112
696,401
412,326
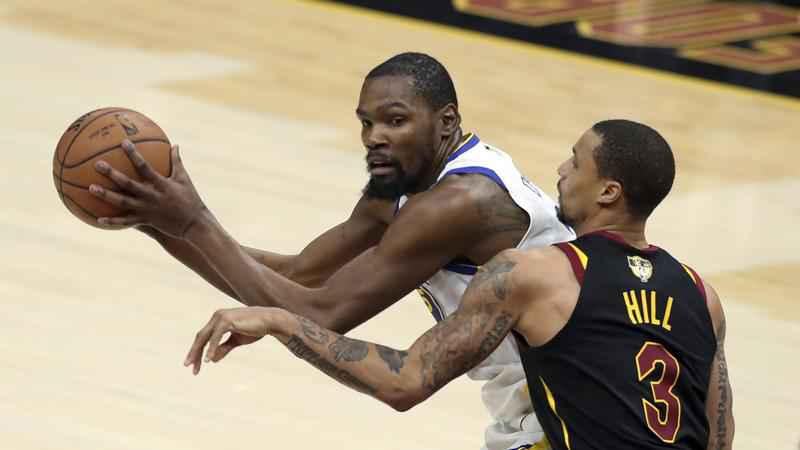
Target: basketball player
439,202
624,345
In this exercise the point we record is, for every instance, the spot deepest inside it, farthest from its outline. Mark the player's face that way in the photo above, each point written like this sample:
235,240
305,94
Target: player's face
579,183
398,131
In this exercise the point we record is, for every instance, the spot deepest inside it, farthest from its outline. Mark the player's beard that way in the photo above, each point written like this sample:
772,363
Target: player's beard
389,187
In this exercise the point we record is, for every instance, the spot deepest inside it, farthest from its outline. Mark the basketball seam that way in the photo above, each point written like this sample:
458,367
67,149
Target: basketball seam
79,186
106,150
89,213
69,147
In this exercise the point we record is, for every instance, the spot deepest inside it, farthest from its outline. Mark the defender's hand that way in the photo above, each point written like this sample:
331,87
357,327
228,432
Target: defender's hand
246,325
169,204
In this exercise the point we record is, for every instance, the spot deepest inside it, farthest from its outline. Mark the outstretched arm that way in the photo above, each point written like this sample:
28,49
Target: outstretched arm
433,228
489,310
166,208
719,403
311,267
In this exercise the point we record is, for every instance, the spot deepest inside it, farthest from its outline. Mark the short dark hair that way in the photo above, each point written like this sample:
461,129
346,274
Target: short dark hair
430,79
638,158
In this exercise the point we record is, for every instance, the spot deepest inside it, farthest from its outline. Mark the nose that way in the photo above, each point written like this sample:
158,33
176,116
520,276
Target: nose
374,137
562,169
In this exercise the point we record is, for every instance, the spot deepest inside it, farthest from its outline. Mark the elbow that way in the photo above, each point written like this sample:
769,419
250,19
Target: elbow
403,399
294,269
402,406
402,403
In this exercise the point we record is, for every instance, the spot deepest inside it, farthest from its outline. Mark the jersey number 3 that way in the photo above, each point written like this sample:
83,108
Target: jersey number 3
663,422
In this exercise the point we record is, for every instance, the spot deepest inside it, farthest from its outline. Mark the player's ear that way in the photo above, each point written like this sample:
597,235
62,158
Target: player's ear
449,119
612,191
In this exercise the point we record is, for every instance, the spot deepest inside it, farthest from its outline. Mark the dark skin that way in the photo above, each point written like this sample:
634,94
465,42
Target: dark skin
362,266
533,292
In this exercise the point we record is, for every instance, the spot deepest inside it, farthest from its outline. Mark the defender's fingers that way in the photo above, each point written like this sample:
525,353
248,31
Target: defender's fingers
226,347
220,329
195,355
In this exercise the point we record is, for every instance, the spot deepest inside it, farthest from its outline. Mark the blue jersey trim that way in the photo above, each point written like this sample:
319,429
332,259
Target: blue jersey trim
471,142
464,269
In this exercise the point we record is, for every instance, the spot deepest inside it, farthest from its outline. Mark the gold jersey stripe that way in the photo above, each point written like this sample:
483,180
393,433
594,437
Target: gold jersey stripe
581,256
552,402
691,275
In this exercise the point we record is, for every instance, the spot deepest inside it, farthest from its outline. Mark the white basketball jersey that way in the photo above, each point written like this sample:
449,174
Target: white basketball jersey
505,391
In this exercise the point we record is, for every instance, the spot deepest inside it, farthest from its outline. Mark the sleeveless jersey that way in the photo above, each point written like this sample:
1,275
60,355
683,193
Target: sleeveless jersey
504,392
630,368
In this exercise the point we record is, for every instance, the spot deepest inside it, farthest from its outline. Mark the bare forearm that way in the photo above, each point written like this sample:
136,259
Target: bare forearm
254,283
720,413
399,378
719,404
190,257
282,264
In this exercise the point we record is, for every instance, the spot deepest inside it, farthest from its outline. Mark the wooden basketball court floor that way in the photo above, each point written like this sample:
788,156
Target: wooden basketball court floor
261,95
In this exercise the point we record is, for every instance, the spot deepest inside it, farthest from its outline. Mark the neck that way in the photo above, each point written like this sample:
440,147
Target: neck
446,148
629,229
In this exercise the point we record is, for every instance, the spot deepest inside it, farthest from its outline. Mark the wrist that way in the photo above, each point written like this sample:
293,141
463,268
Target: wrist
201,225
279,323
149,230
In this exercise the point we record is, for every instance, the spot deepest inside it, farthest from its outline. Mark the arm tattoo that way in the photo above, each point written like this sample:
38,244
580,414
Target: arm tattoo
350,350
303,351
394,358
501,214
443,347
443,360
723,386
497,333
313,331
494,271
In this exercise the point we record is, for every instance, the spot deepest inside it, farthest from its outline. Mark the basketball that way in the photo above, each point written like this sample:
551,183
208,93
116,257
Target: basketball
96,136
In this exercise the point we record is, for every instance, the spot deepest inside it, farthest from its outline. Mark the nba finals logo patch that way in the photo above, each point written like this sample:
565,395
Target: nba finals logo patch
127,125
641,268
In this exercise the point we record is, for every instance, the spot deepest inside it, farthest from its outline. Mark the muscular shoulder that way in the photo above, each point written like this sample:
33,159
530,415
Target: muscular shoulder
540,269
715,310
456,200
470,188
460,194
478,203
545,292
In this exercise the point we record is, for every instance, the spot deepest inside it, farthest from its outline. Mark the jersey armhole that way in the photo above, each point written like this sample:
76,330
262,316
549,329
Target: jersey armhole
697,281
577,259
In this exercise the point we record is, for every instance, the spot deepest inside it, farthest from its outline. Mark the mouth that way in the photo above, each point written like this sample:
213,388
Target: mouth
381,170
377,167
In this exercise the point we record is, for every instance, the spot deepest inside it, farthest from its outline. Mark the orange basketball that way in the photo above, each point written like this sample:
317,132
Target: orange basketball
99,135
